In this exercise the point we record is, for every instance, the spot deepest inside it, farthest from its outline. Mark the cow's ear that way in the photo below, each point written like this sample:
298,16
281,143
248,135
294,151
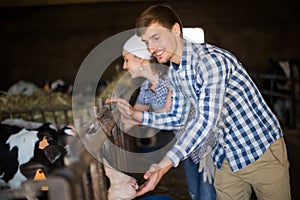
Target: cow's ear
30,168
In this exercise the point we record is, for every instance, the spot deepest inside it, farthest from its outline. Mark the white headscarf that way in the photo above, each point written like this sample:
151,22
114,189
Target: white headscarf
137,47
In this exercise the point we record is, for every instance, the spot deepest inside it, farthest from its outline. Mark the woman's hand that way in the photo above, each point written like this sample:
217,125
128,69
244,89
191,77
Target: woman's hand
128,123
125,108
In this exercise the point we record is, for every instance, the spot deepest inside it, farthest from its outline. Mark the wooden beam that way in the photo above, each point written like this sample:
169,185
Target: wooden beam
28,3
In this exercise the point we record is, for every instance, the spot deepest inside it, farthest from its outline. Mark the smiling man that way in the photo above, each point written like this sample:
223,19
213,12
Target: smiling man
250,150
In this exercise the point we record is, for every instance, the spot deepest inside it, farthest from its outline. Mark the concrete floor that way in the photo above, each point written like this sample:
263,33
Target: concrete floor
174,185
292,139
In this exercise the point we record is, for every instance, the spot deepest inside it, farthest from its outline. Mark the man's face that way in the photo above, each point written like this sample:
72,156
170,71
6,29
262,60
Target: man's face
160,41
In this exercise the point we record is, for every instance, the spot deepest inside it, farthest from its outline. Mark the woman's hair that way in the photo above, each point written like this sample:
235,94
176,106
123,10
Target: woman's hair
161,13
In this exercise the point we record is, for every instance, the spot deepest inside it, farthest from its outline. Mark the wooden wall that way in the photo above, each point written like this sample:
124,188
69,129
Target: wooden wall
41,43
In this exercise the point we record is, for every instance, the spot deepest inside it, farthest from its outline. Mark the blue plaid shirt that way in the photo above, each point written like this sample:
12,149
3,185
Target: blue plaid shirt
156,99
228,105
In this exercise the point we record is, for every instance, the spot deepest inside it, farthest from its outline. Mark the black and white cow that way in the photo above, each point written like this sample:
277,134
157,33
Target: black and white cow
22,150
282,107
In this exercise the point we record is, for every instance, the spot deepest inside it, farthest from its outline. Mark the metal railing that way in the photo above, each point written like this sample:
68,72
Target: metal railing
58,115
266,83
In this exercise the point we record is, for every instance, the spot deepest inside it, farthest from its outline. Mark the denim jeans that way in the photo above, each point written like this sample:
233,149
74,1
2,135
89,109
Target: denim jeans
198,189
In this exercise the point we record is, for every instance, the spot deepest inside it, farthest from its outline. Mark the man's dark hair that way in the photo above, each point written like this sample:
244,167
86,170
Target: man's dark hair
161,13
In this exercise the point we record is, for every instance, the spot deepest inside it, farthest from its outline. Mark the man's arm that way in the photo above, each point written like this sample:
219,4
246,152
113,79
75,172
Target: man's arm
174,119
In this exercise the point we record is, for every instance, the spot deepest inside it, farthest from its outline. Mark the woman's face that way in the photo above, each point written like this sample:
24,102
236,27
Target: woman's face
133,64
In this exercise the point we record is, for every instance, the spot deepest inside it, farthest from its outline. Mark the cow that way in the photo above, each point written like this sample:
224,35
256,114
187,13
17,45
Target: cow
283,107
60,86
23,151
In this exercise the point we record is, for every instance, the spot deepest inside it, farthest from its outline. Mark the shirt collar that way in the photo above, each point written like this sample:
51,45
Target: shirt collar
184,57
175,66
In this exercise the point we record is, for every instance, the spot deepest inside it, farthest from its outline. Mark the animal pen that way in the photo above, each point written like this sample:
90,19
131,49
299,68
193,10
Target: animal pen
83,177
284,103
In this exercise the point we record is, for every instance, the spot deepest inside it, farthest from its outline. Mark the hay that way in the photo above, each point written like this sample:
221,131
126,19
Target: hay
52,107
39,99
108,91
41,106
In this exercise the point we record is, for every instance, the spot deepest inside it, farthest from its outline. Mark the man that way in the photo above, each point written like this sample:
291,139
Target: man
155,95
250,152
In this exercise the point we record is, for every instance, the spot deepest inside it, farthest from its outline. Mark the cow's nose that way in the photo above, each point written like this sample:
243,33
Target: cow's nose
54,153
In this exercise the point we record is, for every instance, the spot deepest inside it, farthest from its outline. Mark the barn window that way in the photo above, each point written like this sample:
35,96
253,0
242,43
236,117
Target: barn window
194,34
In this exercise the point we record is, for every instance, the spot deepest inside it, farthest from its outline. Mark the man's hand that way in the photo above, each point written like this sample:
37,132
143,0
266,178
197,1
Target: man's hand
154,175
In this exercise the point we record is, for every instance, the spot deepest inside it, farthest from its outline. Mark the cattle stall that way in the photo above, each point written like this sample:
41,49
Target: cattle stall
44,114
83,177
281,90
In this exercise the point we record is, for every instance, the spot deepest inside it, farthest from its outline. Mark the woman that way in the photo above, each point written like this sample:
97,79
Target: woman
155,93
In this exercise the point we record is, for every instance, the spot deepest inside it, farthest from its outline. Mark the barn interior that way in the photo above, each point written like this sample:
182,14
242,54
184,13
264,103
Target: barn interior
45,41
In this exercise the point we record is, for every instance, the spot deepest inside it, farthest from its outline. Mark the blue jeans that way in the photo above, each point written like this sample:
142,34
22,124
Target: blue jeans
198,189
